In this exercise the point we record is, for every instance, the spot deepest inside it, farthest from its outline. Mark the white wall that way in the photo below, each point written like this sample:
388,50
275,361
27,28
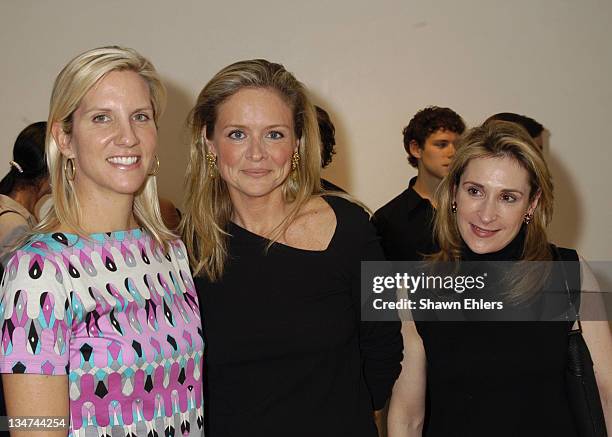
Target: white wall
371,64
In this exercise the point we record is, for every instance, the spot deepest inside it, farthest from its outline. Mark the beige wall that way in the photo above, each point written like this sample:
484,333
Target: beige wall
371,64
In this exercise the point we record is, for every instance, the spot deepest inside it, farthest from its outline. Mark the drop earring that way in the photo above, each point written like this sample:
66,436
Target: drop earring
211,159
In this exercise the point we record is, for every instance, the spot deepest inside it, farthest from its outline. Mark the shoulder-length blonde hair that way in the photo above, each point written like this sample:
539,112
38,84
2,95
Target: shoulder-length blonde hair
71,85
496,139
208,207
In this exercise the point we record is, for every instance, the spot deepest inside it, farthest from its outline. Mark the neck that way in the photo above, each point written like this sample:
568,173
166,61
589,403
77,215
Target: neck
26,198
114,214
426,185
260,215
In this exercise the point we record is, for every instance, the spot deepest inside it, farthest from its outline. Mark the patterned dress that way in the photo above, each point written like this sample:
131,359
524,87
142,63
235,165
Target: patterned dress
120,317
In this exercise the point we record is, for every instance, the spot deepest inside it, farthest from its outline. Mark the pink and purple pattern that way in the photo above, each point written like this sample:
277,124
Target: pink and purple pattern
120,317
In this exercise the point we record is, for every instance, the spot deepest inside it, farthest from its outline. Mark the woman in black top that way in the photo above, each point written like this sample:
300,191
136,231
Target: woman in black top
497,378
278,268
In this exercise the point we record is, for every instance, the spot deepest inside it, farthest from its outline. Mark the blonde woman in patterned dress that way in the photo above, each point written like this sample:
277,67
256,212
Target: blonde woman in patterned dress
100,321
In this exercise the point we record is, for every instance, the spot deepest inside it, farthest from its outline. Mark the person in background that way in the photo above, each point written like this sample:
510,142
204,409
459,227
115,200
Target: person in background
404,224
500,378
171,215
327,133
277,267
25,183
535,129
100,320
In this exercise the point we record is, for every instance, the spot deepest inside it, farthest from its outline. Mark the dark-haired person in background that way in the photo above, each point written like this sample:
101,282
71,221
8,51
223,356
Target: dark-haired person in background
327,132
405,223
25,183
533,128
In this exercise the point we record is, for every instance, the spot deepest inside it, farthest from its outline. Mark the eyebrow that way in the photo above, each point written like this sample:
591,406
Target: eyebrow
102,109
504,190
240,126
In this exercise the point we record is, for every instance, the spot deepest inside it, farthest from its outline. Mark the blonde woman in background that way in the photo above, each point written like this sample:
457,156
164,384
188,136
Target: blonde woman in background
100,318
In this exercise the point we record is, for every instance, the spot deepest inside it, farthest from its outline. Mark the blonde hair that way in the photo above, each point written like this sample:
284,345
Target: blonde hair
498,139
208,207
71,85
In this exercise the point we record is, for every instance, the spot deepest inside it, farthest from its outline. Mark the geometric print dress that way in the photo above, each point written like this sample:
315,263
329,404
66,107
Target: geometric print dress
119,317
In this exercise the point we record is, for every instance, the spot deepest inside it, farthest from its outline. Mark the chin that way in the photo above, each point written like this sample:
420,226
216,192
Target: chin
481,247
129,189
256,190
490,247
255,194
480,250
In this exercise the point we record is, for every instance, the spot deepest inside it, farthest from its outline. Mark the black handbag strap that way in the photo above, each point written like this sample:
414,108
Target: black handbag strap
570,269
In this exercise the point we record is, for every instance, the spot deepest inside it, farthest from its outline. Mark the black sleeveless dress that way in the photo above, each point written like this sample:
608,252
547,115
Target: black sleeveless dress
497,378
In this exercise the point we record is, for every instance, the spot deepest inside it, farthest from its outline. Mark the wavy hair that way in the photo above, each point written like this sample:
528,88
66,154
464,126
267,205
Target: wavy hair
208,207
498,139
71,85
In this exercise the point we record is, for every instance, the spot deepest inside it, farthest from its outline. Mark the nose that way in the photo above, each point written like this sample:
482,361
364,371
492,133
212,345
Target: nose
488,210
256,150
451,150
126,135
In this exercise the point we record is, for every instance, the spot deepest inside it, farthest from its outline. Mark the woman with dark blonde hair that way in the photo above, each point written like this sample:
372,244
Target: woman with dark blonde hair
278,267
497,378
100,321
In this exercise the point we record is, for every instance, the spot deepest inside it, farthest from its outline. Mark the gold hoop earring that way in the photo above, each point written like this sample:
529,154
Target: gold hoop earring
155,169
454,207
211,159
528,218
69,169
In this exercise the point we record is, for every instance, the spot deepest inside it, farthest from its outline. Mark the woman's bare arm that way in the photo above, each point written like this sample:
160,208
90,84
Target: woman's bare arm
407,406
37,396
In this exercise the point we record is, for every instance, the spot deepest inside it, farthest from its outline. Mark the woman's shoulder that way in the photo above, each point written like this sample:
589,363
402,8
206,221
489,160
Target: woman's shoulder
330,210
11,218
26,267
12,213
41,244
346,207
37,249
564,253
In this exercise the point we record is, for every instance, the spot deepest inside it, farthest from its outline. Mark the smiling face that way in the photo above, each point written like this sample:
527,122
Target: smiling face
254,139
437,153
492,200
113,137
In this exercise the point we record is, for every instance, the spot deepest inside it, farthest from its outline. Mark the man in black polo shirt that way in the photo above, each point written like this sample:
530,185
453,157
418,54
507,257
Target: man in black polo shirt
405,223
